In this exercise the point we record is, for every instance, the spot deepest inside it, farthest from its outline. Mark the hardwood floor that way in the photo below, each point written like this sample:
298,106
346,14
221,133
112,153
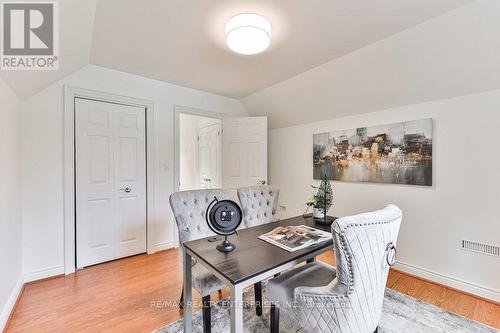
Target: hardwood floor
132,295
452,300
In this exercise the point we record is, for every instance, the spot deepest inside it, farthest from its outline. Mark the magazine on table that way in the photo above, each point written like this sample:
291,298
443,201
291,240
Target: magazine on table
293,238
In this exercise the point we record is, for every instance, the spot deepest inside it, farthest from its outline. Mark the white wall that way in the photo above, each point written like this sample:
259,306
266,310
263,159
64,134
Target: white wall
451,55
42,158
462,204
10,217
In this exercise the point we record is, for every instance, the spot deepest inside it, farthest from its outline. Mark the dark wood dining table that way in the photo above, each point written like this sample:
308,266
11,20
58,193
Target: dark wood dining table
252,261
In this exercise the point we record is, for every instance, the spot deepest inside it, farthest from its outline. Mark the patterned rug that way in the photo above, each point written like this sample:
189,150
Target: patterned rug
401,314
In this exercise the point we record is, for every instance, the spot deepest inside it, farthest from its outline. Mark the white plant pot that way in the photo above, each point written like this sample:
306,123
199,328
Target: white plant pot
318,213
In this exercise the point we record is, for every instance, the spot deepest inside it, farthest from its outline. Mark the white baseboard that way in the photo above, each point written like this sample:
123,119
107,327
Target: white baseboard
11,302
449,281
163,246
43,274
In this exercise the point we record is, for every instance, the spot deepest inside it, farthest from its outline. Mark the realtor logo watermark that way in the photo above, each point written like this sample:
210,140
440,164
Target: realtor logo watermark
30,35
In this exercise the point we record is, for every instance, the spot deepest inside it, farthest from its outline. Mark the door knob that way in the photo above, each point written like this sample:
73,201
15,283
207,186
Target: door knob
126,189
262,182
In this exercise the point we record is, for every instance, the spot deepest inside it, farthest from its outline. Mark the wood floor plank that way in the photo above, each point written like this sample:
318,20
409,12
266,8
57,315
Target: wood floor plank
487,312
126,296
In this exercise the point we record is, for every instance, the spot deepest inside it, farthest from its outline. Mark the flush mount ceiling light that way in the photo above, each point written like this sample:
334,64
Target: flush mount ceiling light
248,34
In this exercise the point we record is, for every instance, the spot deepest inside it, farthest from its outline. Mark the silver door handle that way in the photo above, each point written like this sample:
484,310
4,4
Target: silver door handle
262,182
126,189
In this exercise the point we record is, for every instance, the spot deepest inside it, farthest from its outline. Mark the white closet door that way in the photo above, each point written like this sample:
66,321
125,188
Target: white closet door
110,181
209,156
204,157
244,152
215,156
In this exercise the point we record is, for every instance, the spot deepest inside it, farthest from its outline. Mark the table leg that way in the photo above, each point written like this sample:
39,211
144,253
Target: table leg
188,296
236,309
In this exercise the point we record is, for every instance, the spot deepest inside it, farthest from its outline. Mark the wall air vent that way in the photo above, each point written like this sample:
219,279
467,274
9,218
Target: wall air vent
492,250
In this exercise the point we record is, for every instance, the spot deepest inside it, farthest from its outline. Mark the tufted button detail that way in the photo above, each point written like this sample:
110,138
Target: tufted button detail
190,214
185,203
257,203
195,201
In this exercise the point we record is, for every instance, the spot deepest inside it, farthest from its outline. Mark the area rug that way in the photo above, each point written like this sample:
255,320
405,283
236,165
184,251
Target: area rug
401,314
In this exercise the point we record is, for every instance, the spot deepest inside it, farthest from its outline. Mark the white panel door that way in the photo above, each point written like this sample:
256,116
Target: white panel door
215,156
244,151
209,156
204,158
110,181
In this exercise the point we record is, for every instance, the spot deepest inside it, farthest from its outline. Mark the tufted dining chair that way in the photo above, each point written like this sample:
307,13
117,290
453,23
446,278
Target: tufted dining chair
348,298
259,204
189,208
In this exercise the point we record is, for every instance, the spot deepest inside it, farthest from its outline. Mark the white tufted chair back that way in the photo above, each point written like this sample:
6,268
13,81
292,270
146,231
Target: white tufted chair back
259,204
189,208
361,249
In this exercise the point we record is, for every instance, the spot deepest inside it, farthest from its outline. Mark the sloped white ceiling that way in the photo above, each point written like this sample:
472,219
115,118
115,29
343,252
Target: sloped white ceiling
76,25
182,42
452,55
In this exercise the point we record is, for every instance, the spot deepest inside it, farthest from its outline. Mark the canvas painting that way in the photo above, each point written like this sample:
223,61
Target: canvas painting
399,153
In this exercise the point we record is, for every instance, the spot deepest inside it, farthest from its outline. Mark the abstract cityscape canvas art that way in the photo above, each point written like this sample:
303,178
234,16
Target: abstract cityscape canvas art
399,153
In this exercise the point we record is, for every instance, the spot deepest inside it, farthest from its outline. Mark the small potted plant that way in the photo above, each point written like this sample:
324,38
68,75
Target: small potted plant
322,200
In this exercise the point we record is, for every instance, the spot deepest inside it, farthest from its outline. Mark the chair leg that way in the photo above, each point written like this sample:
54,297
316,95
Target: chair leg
181,300
257,288
220,294
275,319
207,323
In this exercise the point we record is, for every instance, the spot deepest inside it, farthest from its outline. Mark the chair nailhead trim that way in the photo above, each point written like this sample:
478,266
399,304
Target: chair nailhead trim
347,254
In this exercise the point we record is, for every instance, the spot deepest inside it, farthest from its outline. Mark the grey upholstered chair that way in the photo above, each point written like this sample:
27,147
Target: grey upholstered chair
259,204
189,208
348,298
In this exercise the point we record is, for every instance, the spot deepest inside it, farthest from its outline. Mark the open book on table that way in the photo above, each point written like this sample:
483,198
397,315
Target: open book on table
293,238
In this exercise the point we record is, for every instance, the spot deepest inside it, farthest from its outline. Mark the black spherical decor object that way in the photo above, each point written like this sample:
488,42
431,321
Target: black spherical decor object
224,217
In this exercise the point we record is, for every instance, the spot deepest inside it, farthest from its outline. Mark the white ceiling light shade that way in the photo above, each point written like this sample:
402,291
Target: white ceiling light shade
248,34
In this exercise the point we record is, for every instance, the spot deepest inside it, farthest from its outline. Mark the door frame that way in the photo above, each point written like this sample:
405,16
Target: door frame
70,93
178,109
